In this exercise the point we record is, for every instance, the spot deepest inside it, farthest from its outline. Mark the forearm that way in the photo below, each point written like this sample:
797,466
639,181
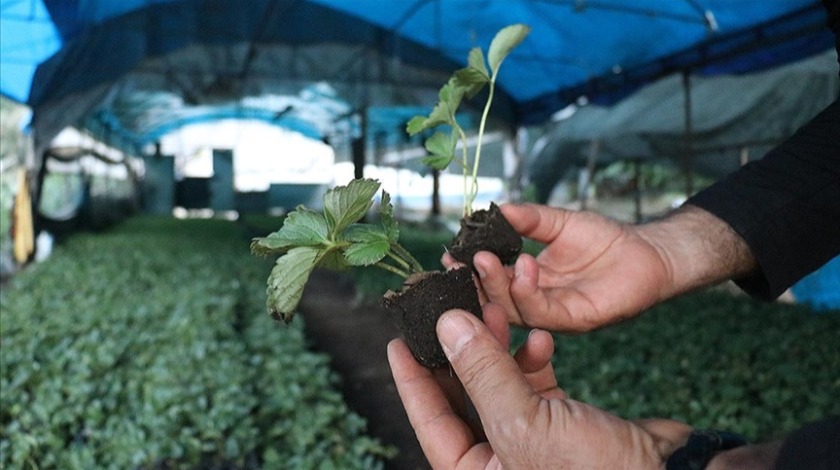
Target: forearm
698,250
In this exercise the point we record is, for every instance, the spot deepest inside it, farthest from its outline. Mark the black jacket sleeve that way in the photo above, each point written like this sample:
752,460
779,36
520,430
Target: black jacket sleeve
813,447
786,205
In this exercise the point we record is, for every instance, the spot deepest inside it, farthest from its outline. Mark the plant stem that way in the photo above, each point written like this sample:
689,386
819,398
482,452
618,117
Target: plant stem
481,125
392,269
398,259
465,165
404,254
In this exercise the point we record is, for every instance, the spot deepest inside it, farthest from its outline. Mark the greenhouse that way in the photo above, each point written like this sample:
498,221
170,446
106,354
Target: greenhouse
177,175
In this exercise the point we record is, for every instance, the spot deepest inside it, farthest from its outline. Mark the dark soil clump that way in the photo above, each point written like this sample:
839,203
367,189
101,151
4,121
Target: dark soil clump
486,230
417,307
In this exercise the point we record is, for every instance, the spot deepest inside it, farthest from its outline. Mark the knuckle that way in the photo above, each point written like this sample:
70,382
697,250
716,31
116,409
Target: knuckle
477,366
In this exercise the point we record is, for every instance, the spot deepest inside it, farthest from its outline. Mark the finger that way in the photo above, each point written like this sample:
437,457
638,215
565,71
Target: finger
449,262
495,318
495,282
534,358
444,437
537,222
536,352
531,301
490,376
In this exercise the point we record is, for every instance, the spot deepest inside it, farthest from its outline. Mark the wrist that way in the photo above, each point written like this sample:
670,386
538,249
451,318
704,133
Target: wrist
697,249
703,447
754,457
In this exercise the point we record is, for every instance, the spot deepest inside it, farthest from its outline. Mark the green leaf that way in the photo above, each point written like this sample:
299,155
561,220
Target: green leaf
363,233
333,260
442,149
370,244
471,80
438,162
440,144
475,61
386,215
504,42
450,96
473,77
287,279
440,115
416,125
344,205
302,227
365,254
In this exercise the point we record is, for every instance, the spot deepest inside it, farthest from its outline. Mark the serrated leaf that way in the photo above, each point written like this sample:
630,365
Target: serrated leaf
440,144
439,116
475,61
333,260
363,233
504,42
416,125
287,279
450,96
344,205
386,215
302,227
367,253
471,80
438,162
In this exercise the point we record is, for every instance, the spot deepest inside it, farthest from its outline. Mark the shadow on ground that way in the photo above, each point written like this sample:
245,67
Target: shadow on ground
356,337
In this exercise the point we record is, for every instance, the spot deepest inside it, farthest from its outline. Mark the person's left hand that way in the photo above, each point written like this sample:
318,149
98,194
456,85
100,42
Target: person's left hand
526,420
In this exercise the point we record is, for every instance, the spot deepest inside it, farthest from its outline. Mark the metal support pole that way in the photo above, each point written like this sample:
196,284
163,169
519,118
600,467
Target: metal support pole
592,159
688,156
745,155
358,146
637,183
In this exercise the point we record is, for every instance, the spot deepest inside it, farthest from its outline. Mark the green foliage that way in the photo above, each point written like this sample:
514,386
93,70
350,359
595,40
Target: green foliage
465,83
12,140
425,244
712,360
142,348
7,195
334,240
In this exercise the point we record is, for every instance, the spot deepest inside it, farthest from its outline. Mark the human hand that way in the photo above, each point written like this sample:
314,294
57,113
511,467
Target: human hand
526,420
595,271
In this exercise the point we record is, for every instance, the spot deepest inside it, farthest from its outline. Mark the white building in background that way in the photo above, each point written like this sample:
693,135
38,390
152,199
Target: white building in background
263,154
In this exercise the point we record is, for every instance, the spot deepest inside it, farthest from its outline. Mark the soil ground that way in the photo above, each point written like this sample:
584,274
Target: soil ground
356,336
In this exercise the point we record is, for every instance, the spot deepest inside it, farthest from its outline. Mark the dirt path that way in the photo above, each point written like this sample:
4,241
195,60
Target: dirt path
356,337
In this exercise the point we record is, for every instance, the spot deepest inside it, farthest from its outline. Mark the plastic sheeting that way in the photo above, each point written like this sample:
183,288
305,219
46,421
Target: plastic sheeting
87,54
729,114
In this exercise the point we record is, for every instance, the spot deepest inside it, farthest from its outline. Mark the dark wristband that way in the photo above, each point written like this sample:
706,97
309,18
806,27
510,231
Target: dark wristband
702,445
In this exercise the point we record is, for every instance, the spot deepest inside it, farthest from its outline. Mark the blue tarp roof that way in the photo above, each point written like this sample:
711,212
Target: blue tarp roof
71,60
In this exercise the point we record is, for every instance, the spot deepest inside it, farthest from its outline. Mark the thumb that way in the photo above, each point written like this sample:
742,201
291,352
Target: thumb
489,373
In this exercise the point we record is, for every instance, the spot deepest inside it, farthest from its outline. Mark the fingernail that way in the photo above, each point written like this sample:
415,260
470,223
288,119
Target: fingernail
479,270
519,268
454,331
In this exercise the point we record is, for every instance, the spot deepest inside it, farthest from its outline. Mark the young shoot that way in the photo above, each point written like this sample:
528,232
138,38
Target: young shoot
334,239
466,83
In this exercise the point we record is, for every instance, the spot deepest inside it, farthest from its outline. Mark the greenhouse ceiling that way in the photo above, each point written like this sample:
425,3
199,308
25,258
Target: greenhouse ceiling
132,70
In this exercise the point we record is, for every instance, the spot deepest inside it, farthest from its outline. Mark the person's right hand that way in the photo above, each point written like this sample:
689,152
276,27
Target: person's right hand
595,271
